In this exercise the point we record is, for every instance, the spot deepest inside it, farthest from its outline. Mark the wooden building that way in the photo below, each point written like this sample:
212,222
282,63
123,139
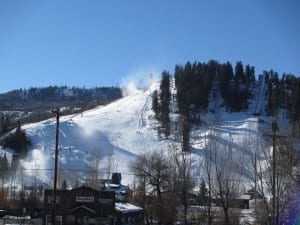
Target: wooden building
126,213
83,205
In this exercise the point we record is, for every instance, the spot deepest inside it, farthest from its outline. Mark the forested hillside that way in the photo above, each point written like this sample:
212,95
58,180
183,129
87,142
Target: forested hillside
35,104
233,87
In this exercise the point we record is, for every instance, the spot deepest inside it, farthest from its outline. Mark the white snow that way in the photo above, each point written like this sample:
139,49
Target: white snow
119,132
127,207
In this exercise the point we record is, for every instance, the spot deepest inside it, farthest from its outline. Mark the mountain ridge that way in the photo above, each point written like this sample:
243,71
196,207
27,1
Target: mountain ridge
36,104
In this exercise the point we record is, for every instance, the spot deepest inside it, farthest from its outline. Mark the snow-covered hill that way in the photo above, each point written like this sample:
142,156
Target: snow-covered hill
115,133
110,137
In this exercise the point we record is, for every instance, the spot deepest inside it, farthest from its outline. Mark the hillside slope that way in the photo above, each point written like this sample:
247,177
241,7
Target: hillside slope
117,132
108,138
35,104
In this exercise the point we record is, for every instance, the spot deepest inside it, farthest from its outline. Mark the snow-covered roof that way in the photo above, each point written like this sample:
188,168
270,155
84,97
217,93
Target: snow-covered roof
119,189
244,197
116,187
127,207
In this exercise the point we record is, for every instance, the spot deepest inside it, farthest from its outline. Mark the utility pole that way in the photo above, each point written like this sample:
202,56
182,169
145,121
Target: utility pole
209,177
275,200
209,192
274,216
57,112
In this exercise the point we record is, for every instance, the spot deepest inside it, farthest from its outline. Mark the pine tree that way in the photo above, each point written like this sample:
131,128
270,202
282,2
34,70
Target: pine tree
250,75
273,92
19,142
155,104
225,83
4,124
213,69
184,87
185,128
239,75
294,104
165,98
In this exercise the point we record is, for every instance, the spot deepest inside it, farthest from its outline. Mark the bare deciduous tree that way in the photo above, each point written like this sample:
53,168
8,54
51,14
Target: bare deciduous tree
155,170
223,177
183,177
261,165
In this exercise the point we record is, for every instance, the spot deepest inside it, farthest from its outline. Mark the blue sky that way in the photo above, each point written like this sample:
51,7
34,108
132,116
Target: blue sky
107,42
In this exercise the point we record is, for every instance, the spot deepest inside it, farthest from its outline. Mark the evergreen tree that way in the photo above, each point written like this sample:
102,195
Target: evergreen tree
293,103
240,89
273,92
225,83
165,98
184,87
235,100
295,110
185,128
250,75
19,142
4,124
239,75
213,69
155,104
177,74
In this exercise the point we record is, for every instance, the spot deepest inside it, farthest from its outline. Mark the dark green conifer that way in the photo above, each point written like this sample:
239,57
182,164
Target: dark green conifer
165,98
155,104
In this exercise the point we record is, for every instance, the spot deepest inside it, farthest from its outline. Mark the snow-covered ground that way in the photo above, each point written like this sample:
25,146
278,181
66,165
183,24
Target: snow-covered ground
111,137
115,133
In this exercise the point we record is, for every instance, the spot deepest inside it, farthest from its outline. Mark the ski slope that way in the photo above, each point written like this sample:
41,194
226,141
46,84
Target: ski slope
258,108
118,133
109,138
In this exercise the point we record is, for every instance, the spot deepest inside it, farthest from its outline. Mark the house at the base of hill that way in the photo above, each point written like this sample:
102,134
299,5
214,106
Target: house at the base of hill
83,205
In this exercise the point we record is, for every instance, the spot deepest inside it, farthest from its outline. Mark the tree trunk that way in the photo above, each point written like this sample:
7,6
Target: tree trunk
227,221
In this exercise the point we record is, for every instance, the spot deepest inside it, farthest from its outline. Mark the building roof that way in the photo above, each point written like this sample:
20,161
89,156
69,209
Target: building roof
127,207
244,197
83,207
120,190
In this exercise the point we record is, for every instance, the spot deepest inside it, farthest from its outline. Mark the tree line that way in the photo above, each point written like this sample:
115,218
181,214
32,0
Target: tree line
232,87
283,93
195,82
164,179
38,97
35,104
